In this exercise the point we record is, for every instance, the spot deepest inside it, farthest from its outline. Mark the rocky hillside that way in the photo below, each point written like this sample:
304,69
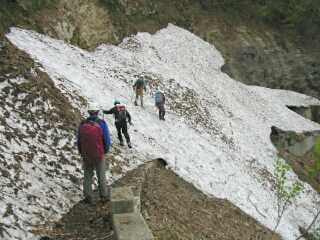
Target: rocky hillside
256,51
39,166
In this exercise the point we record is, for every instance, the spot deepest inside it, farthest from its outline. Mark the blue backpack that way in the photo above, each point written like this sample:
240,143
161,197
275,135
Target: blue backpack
159,97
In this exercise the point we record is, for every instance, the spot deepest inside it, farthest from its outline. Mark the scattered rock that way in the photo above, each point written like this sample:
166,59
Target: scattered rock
5,173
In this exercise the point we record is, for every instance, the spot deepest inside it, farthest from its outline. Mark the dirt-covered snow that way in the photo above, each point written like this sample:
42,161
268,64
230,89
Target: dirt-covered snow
37,160
217,130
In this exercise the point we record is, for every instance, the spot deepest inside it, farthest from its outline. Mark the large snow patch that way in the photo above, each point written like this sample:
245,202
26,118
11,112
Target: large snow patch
217,133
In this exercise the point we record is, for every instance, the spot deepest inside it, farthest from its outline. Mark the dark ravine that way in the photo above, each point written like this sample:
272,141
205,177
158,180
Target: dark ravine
256,53
311,112
301,151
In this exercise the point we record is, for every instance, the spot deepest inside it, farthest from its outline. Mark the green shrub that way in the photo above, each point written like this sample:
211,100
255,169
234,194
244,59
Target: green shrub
316,234
35,5
315,168
300,15
286,192
113,5
316,149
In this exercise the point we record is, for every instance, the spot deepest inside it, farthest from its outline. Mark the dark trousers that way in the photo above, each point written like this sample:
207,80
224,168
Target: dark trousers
162,110
122,128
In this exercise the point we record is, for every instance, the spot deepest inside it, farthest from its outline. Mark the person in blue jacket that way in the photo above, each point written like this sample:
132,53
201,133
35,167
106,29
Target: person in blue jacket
160,100
93,143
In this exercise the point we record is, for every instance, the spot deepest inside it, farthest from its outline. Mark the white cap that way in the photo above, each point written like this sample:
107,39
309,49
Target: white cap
93,107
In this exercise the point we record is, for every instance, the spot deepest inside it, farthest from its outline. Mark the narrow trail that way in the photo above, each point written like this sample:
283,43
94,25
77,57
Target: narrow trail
83,222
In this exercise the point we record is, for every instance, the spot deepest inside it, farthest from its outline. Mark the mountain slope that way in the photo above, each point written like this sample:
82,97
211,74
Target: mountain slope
217,131
39,167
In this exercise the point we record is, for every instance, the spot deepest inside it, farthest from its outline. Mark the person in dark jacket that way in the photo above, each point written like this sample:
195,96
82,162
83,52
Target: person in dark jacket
121,115
93,143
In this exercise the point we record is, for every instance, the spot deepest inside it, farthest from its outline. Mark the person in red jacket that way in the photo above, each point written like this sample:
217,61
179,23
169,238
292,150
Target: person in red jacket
93,143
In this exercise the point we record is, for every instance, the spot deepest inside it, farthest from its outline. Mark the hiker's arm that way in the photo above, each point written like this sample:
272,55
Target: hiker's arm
106,136
111,111
78,141
129,117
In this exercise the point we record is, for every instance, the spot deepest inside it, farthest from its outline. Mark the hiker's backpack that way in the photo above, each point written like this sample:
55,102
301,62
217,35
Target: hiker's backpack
91,140
159,97
122,113
140,83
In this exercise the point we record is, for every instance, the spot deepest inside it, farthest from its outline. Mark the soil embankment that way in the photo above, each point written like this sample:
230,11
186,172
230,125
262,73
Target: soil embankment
173,209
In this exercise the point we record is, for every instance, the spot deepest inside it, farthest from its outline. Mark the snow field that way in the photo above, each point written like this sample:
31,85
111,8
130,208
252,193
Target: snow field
217,130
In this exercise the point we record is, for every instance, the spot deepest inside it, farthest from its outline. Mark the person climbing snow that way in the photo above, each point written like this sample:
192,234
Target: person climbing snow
139,87
121,115
159,102
93,143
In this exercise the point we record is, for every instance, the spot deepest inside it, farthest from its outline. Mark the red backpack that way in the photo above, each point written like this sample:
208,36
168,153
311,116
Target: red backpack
122,113
91,141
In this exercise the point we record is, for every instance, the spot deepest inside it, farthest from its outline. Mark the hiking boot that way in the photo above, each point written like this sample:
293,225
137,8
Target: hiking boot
129,145
104,199
87,200
121,144
45,238
135,103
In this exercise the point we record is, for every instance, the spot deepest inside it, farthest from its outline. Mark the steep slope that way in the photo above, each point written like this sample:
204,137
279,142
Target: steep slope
217,131
39,167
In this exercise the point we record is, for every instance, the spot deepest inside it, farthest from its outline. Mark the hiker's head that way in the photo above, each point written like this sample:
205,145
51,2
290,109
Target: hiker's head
116,102
93,110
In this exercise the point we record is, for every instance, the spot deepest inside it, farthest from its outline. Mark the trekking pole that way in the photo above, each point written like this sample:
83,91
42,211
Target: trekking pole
131,94
102,114
132,97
